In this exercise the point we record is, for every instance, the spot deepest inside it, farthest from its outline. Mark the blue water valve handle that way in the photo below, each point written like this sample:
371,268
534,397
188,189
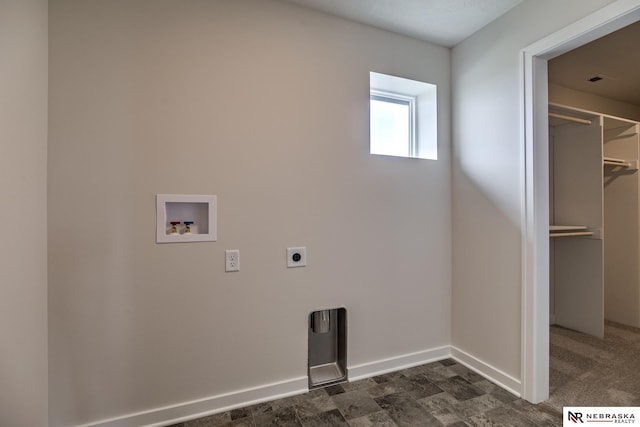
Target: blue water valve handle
188,225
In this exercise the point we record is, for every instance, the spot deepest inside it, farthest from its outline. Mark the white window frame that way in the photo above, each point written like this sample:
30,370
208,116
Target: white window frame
410,101
424,112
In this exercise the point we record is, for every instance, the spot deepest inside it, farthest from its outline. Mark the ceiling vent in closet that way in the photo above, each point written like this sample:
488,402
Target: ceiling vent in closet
599,77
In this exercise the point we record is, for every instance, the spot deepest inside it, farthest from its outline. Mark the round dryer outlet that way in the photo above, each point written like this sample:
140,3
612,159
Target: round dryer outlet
296,257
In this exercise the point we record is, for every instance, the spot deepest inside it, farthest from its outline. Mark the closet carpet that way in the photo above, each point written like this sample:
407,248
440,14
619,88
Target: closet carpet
588,371
583,371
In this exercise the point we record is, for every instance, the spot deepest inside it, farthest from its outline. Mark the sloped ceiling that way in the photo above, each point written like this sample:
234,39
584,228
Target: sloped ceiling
443,22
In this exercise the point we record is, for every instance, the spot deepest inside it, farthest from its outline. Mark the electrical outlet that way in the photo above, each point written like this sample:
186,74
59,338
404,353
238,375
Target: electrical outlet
296,257
232,260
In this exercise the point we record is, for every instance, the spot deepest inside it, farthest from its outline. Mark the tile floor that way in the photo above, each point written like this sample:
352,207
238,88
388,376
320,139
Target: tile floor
443,393
584,371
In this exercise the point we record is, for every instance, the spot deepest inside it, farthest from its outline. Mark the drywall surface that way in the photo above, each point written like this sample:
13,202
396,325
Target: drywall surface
23,212
586,101
487,173
264,104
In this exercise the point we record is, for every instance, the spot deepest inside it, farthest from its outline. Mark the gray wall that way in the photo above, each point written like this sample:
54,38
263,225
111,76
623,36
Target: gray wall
264,104
23,191
487,178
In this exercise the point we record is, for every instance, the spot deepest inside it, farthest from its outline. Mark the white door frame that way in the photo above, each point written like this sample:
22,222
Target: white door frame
535,183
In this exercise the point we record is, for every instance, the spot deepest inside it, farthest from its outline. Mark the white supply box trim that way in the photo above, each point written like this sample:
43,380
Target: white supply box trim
207,217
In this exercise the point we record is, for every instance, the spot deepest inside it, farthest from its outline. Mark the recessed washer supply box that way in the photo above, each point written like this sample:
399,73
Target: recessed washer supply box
178,208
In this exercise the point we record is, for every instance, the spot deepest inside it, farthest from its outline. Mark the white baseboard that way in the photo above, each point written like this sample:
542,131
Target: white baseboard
494,375
203,407
379,367
225,402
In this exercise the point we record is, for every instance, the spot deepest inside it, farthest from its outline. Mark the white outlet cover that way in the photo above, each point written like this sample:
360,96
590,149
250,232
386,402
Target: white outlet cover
299,254
232,260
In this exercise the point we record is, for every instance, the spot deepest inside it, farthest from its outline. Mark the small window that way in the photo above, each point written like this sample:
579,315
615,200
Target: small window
392,124
402,117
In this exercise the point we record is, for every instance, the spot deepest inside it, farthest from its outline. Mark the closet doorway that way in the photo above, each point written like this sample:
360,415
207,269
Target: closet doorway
535,160
594,108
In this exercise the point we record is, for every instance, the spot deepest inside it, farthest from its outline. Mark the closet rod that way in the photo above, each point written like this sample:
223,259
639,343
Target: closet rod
616,162
570,118
572,234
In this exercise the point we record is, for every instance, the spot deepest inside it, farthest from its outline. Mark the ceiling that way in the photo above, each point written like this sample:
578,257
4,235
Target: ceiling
448,22
443,22
614,57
